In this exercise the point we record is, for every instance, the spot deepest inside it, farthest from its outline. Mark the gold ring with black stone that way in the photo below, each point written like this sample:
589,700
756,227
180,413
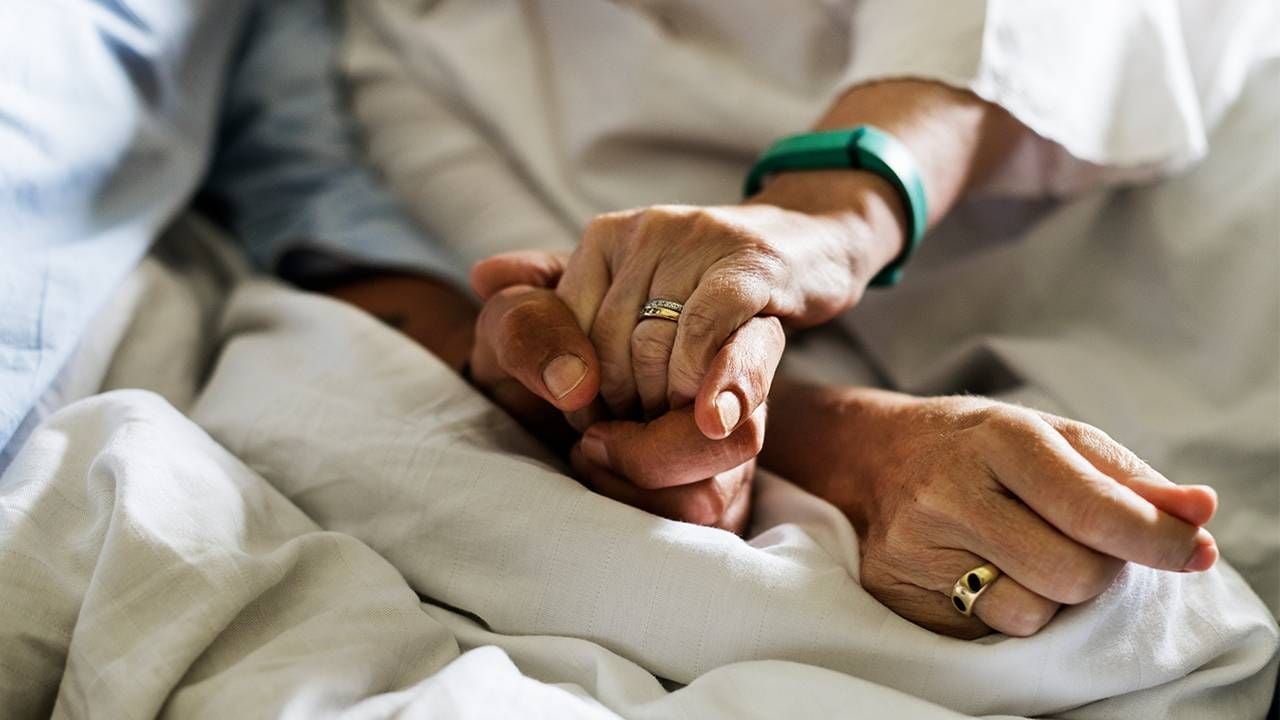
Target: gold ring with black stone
971,585
662,310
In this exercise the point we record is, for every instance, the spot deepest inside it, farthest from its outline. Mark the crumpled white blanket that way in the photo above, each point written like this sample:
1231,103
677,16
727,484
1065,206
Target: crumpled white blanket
338,525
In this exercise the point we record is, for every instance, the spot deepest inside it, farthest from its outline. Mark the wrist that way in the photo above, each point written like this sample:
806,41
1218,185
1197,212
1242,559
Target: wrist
867,213
840,443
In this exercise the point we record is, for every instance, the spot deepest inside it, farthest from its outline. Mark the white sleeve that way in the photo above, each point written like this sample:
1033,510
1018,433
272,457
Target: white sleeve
1114,92
434,154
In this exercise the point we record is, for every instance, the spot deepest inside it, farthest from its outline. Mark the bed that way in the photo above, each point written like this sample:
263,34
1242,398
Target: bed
256,502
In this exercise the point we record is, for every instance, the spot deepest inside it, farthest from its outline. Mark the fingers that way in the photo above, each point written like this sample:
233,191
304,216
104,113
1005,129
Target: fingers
670,451
586,277
611,333
1041,468
651,343
919,589
1036,555
652,340
587,282
720,501
1194,504
536,268
1006,606
529,334
606,285
727,295
740,376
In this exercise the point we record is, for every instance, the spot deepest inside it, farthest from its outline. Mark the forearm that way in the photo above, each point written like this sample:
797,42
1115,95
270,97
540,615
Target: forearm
955,137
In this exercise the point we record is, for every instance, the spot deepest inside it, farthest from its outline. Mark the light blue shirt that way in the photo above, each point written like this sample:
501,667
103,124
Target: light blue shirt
114,113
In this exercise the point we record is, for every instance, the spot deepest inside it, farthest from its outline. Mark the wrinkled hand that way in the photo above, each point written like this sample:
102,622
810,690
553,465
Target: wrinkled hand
728,265
938,486
532,357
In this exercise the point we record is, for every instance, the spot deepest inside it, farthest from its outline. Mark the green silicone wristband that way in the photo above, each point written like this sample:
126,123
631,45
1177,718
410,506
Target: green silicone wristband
861,148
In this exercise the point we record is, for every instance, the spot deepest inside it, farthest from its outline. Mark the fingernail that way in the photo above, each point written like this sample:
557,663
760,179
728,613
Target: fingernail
593,447
1205,554
729,410
563,374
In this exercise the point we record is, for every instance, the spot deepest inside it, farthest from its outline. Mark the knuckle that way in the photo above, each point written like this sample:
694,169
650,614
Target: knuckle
1094,436
1087,435
1111,451
765,262
649,348
933,503
772,328
708,222
699,324
602,225
594,234
743,281
660,224
1004,422
606,333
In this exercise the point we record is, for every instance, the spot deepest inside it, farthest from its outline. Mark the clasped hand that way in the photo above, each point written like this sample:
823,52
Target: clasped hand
672,417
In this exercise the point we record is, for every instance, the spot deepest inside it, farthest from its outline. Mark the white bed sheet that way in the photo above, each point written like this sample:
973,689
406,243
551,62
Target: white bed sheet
338,525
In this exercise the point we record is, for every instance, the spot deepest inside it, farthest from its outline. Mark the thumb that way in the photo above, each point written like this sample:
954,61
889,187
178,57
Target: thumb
529,334
739,378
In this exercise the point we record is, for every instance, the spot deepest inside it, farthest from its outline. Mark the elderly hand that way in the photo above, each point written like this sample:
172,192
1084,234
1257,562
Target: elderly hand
533,359
938,486
727,265
802,250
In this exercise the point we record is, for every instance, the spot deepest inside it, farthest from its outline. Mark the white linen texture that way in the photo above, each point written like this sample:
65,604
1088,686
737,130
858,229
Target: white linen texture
340,526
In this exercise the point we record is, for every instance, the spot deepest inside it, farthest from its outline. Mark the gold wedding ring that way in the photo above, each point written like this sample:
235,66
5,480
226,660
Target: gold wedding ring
662,309
971,585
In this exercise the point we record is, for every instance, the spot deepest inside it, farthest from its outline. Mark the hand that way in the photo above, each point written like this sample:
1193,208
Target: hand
938,486
727,265
668,468
532,357
802,250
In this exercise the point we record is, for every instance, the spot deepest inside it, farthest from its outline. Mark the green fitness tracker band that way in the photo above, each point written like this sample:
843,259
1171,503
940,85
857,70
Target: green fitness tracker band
861,148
